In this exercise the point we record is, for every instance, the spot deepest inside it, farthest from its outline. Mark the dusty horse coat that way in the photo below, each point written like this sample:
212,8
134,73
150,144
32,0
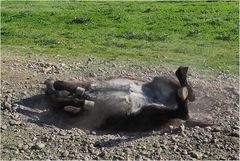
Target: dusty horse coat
122,103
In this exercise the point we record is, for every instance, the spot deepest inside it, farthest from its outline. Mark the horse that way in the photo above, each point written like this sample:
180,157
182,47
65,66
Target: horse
124,104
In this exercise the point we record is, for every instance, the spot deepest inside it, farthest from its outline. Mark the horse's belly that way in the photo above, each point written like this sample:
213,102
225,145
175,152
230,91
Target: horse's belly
118,97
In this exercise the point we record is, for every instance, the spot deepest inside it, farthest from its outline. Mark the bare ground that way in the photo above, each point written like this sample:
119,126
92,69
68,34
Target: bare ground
31,130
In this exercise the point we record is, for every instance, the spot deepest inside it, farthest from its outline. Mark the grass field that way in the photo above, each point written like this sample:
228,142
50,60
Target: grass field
200,34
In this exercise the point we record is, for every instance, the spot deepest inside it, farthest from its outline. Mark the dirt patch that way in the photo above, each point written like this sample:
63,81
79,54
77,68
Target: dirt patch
32,130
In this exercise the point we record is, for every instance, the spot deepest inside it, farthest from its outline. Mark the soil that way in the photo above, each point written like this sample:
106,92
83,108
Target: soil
30,129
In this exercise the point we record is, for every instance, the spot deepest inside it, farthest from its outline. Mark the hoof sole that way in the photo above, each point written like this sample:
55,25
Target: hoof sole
72,109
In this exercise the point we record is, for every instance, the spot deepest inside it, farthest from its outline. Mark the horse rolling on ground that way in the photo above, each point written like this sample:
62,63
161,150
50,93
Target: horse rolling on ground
123,104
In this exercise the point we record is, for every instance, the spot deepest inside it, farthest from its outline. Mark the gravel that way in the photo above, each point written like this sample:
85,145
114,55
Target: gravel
32,131
196,155
7,106
4,127
62,133
13,122
39,145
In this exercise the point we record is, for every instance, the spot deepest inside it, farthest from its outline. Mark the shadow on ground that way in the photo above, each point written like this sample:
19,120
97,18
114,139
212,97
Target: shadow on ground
40,111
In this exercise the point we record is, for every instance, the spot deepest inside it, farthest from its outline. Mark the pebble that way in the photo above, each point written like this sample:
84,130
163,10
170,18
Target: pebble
16,151
4,127
235,133
63,65
7,106
25,147
227,129
205,140
34,138
25,93
65,153
175,147
20,145
217,129
31,145
63,133
5,151
118,157
90,60
15,107
185,152
175,139
236,127
39,145
196,155
138,157
8,97
156,145
93,133
56,130
71,156
208,128
92,75
182,128
163,146
13,122
102,154
130,145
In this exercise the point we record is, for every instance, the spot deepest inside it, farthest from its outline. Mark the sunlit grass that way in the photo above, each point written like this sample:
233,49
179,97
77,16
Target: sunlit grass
199,34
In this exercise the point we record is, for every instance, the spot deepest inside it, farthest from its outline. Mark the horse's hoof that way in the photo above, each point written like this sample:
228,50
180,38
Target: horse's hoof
88,105
80,91
72,109
49,86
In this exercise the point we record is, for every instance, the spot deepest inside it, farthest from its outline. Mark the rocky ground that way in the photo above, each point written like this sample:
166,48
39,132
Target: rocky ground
30,130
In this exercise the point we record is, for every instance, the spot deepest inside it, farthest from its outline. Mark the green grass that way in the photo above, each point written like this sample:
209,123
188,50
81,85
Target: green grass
200,34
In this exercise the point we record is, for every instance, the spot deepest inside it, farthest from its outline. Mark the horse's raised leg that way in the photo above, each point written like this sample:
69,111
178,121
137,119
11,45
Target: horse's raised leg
70,86
67,95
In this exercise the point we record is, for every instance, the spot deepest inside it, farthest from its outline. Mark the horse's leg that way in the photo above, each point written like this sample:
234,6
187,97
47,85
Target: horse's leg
63,98
70,86
52,93
68,104
60,95
75,105
65,101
